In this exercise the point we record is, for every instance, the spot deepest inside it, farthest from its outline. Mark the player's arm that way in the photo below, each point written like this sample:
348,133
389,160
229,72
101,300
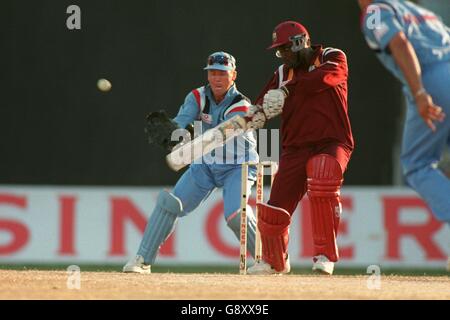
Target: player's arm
332,72
188,112
389,37
186,153
271,84
252,114
405,57
240,108
267,105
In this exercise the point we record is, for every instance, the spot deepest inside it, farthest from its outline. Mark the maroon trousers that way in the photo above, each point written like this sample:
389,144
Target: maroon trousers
289,185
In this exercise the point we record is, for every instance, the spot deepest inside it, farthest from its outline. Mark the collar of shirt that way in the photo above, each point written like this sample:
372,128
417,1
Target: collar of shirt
317,51
229,96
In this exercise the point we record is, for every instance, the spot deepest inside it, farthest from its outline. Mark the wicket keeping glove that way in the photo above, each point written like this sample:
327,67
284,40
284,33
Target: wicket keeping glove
159,128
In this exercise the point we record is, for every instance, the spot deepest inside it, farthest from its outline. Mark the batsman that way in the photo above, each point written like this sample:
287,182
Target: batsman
210,105
310,89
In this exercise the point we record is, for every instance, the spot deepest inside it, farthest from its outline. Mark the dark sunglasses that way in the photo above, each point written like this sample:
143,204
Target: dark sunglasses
223,60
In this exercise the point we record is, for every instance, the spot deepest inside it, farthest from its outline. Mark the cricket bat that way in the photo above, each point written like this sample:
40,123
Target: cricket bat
187,153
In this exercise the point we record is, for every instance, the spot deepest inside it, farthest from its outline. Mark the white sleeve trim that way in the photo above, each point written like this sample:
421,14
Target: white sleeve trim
330,62
280,74
330,50
241,103
201,90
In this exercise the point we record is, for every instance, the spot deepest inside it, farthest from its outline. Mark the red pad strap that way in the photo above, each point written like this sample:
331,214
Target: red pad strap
273,225
324,181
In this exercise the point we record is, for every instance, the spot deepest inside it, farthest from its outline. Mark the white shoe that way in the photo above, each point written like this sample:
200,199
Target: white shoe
263,268
137,265
323,265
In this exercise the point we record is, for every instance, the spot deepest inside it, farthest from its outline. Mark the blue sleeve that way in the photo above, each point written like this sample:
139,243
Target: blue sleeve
380,26
188,112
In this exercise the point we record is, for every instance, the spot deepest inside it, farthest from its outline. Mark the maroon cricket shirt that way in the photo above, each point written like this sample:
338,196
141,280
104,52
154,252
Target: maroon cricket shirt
316,109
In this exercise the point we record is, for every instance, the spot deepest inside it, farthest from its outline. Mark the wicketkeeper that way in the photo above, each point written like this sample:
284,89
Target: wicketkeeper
211,104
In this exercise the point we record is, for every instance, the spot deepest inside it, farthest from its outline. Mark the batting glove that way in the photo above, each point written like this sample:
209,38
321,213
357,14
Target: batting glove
273,102
252,109
257,121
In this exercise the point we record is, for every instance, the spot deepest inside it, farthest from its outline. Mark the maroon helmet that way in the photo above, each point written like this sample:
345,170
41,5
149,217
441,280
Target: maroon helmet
289,32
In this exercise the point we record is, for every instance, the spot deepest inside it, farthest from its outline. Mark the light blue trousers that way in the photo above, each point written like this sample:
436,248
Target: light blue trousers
422,148
197,183
194,187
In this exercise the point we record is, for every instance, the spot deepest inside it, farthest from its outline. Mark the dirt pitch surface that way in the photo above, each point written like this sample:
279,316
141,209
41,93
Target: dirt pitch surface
30,284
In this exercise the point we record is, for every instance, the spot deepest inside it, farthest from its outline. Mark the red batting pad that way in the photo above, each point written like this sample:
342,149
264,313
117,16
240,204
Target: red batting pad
324,181
273,225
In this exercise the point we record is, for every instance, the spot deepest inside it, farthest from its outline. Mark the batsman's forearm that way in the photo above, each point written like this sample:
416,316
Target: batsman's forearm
406,58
